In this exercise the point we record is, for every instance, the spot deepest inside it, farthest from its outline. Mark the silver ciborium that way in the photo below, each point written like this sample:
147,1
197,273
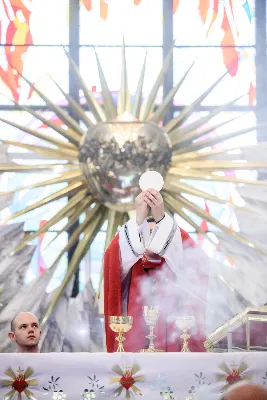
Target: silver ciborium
121,325
185,323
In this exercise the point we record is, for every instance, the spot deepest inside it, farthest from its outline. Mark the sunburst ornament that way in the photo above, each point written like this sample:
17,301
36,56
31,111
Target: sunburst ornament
233,374
19,383
105,155
127,379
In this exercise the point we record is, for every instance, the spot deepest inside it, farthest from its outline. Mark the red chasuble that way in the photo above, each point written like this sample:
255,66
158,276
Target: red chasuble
170,306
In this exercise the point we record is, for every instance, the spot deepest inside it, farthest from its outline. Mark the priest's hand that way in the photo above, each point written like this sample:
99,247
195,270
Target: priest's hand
141,208
155,201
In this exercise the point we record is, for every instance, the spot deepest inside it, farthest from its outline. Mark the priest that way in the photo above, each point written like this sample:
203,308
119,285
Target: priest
152,261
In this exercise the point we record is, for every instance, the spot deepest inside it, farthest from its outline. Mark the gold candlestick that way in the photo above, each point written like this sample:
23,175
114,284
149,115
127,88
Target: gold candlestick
185,323
151,315
121,325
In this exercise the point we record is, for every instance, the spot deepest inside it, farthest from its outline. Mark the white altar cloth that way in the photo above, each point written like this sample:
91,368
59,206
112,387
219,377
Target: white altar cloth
75,376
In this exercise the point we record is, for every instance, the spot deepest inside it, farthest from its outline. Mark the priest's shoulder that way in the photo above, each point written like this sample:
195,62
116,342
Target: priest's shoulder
114,244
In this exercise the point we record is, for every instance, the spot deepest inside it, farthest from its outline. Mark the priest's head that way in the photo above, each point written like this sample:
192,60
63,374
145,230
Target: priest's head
245,391
25,332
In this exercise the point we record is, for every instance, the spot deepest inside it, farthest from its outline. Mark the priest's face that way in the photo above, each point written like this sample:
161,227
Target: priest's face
25,332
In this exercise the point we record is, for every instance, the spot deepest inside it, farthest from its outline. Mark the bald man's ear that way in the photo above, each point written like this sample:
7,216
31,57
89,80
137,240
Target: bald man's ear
11,336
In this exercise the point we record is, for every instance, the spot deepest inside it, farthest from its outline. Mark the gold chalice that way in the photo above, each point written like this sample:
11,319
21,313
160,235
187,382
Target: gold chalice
120,325
185,323
151,315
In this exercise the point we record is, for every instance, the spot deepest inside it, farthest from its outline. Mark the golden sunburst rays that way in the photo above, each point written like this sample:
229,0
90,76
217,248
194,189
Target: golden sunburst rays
192,159
19,383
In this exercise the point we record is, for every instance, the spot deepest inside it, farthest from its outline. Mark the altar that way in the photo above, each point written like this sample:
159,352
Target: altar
76,376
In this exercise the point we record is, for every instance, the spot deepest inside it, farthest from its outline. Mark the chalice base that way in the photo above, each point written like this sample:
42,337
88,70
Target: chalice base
149,350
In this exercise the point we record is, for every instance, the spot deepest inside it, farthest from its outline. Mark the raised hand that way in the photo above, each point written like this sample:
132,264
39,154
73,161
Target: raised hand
155,201
141,208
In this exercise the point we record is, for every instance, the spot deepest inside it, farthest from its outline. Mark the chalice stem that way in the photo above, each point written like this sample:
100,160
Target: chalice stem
185,337
120,338
151,338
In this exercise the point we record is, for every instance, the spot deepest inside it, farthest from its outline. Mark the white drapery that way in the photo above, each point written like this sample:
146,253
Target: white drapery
76,376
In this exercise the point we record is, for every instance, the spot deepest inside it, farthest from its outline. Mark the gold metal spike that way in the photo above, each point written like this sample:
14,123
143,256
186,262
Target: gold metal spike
65,177
72,240
89,234
47,152
202,121
176,207
54,220
136,106
55,196
33,168
162,109
173,186
220,165
202,144
149,103
197,175
179,140
76,234
73,217
206,216
93,105
198,155
63,132
109,105
185,113
211,153
59,143
124,95
77,109
77,131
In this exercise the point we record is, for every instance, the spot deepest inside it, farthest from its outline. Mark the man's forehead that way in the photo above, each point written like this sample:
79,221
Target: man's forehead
26,318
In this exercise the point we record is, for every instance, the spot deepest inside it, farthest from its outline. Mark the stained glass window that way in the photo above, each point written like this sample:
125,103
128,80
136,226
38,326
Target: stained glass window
135,59
210,65
11,181
105,22
34,22
225,191
214,23
40,64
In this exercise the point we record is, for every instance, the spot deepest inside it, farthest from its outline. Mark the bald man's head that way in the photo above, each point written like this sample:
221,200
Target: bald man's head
246,391
25,332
